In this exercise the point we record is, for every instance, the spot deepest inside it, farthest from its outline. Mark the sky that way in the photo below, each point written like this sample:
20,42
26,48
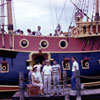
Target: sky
46,13
28,14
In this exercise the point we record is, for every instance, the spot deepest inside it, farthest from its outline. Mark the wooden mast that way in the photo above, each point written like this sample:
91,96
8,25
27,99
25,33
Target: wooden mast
97,10
9,16
2,15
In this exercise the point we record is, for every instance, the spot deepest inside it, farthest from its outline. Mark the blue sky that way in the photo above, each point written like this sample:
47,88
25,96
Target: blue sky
31,13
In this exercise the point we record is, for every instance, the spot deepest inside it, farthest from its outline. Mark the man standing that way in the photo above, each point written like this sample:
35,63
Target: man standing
75,69
47,72
38,33
56,77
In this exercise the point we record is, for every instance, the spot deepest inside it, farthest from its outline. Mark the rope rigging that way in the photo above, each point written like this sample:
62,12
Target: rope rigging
62,11
51,13
74,10
66,14
80,6
56,8
56,17
80,10
14,19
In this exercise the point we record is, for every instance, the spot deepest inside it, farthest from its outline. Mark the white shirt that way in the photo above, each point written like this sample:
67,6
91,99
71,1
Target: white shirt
75,64
29,67
35,76
47,70
38,33
38,72
56,68
38,68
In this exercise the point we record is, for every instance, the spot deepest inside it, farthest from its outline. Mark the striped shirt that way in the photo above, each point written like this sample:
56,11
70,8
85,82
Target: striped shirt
56,69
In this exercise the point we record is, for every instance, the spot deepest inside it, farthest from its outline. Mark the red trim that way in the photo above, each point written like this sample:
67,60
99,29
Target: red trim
3,62
86,59
8,88
66,58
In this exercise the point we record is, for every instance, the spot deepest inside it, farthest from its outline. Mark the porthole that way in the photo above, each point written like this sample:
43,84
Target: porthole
24,43
85,64
63,44
44,44
4,67
66,64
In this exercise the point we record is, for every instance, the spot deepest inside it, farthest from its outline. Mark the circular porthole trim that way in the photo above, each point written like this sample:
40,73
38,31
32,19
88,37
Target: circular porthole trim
21,44
65,42
46,42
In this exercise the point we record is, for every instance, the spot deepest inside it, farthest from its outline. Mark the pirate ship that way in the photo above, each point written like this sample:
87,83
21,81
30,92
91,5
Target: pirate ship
19,51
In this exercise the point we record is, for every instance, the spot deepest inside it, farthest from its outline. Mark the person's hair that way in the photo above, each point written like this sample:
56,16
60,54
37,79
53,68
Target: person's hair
34,68
74,58
21,32
33,33
28,30
18,30
37,62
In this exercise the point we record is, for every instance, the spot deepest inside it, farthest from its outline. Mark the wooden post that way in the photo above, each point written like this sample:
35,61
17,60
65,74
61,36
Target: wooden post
64,79
78,86
65,83
21,85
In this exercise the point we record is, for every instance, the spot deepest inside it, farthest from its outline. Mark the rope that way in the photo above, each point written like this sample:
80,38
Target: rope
56,11
93,77
51,13
81,10
74,10
87,8
65,15
15,27
62,11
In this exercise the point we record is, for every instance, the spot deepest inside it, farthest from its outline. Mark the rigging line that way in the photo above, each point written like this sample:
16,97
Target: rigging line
66,15
81,10
84,6
51,14
56,10
62,11
74,10
79,4
87,8
14,15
